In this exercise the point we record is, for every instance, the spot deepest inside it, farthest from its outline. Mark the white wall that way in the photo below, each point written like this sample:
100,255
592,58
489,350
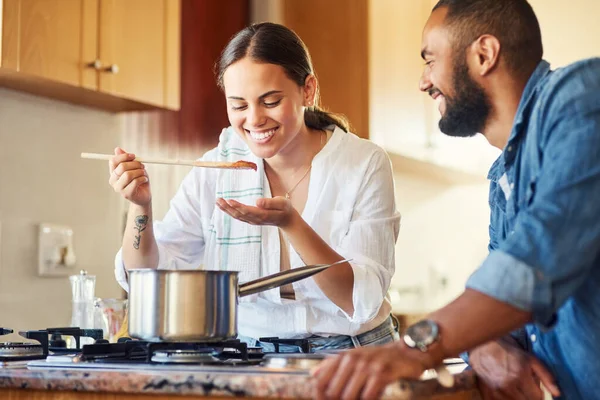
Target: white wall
443,237
570,30
42,179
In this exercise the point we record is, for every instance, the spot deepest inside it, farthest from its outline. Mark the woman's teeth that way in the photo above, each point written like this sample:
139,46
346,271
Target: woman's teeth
262,135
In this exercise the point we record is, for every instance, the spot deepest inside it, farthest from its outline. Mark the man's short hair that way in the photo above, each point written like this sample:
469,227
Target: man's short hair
513,22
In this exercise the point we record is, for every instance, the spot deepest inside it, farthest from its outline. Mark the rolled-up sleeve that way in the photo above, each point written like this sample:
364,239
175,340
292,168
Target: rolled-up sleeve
371,239
121,274
556,237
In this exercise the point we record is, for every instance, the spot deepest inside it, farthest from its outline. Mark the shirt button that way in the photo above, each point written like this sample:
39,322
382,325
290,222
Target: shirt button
512,185
533,338
509,148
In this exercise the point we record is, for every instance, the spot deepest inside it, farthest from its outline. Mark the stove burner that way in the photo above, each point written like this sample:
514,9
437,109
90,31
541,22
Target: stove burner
19,349
233,348
185,357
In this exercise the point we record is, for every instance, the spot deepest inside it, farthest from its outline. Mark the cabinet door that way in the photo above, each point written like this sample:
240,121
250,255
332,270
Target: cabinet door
134,49
341,42
52,39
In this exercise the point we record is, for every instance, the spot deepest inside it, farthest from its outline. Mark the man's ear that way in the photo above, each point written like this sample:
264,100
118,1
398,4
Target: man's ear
484,54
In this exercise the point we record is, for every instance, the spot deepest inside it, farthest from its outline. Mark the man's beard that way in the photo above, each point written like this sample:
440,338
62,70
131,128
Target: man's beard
468,110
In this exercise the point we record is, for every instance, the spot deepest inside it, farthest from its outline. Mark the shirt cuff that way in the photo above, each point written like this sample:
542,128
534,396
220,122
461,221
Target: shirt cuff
121,273
367,295
511,281
465,356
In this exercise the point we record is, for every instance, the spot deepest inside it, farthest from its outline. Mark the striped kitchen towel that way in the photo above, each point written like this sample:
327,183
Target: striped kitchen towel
234,245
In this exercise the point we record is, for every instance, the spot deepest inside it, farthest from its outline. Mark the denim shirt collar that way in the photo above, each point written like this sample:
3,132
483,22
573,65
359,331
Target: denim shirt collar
523,111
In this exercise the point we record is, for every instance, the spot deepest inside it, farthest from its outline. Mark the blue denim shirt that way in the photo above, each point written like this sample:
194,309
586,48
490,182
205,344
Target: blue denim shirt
545,223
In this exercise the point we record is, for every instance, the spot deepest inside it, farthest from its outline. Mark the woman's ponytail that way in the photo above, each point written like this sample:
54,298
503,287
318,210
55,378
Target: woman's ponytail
317,118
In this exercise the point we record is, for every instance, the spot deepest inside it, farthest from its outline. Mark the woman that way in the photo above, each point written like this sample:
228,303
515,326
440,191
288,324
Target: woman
320,195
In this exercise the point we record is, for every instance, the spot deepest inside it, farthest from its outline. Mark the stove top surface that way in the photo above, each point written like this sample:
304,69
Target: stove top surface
216,357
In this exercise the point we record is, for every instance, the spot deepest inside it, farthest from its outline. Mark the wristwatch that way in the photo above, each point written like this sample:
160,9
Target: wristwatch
422,334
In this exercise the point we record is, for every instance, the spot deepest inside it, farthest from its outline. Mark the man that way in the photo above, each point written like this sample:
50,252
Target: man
484,66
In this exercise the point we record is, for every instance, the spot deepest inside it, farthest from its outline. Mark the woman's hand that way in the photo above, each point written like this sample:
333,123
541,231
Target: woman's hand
129,178
277,211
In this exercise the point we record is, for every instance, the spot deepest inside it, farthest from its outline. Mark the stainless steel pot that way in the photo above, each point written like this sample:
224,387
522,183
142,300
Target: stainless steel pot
195,305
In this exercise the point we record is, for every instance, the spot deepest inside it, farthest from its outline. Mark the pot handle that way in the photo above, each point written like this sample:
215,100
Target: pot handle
282,278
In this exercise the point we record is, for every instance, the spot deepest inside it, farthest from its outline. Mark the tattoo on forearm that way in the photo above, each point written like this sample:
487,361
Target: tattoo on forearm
140,225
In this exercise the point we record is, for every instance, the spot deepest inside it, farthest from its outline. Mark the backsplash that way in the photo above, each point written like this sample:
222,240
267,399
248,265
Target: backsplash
43,180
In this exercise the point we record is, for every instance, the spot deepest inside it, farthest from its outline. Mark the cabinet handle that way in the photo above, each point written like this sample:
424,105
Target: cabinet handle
96,64
113,69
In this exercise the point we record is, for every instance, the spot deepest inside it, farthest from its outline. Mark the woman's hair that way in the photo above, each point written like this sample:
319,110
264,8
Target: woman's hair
275,44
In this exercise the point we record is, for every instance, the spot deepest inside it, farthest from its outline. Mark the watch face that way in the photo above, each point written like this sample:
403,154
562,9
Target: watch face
421,331
422,334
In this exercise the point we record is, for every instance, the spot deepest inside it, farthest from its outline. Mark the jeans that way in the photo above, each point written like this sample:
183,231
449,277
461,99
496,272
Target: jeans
387,332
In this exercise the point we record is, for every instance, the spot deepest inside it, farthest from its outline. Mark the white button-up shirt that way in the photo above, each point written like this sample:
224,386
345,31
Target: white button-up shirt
350,204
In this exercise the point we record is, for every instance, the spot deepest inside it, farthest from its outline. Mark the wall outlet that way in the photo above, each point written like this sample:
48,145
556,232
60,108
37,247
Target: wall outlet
56,256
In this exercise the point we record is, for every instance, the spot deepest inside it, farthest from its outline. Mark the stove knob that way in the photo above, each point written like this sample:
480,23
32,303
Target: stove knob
57,341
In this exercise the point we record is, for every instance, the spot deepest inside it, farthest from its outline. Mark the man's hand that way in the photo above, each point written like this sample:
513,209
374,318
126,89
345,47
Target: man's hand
365,372
505,371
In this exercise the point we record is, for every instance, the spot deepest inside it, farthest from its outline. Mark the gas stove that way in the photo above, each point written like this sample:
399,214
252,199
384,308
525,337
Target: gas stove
47,342
129,354
141,352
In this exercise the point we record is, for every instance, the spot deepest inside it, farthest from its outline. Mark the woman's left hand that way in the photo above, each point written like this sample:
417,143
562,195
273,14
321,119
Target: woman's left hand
277,211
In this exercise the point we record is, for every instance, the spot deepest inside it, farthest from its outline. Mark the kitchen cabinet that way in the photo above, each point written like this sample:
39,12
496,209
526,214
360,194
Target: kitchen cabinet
114,54
340,53
49,38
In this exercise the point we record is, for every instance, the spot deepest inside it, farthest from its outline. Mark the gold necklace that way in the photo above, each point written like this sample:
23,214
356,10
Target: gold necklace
287,194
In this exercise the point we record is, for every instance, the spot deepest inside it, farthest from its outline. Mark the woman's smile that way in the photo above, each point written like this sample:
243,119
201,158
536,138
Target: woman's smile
261,136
